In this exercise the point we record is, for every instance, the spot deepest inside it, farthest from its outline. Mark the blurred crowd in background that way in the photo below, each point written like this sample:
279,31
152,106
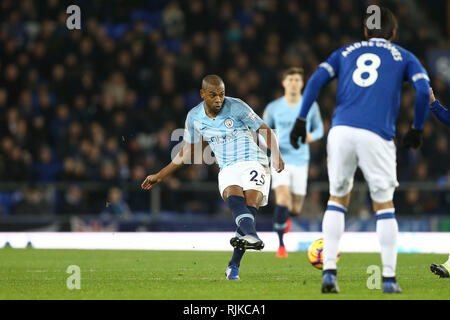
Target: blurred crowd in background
99,104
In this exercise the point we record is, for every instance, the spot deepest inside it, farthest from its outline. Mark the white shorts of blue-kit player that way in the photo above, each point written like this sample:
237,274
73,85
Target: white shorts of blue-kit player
349,148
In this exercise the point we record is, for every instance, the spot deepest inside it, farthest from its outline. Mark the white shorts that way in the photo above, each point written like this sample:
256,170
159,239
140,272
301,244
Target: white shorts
349,148
249,175
295,177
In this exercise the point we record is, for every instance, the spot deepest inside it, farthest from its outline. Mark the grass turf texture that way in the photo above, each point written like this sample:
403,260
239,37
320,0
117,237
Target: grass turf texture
188,275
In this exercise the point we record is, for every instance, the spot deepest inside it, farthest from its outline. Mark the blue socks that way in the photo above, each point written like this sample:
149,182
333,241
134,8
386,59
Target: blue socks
281,215
237,205
243,217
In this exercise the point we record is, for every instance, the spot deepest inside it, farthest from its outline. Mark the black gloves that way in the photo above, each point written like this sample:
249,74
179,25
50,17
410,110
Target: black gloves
299,131
413,139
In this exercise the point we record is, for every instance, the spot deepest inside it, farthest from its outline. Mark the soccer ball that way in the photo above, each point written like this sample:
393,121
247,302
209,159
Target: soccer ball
315,254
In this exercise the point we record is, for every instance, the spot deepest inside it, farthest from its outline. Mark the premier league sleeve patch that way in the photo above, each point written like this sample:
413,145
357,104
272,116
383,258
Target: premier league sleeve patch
252,116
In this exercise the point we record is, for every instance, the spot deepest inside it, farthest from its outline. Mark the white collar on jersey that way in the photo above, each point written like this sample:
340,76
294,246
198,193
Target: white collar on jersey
377,39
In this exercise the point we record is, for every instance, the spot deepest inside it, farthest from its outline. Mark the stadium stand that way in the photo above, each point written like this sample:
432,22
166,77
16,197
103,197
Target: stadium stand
86,111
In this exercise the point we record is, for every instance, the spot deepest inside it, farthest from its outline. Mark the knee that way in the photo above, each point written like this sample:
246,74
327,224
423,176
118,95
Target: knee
283,199
254,204
297,204
296,209
253,198
382,198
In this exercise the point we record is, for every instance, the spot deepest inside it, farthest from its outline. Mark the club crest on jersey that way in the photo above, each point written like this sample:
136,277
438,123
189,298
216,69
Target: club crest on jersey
229,123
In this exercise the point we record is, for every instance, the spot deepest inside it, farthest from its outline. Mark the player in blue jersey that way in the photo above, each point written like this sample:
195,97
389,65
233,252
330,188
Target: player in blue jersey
244,177
439,111
290,185
370,76
443,114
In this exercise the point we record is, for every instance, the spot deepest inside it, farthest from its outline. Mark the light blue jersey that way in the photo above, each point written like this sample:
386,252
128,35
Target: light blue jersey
281,117
228,134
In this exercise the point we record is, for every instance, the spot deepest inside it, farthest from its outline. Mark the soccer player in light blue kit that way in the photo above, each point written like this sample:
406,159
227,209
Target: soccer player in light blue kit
443,114
370,76
244,177
290,185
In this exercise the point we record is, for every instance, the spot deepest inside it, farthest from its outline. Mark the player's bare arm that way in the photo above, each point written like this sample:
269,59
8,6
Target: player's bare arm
273,146
180,159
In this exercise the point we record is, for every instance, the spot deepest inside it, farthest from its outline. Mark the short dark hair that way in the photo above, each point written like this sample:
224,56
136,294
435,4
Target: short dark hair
388,25
211,80
291,71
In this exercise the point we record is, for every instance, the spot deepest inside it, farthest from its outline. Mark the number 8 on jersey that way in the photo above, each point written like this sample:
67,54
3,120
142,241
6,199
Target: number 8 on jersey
363,67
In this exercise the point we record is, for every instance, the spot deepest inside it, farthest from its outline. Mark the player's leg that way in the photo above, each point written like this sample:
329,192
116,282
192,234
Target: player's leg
299,182
290,199
244,205
387,232
249,239
342,164
280,184
232,270
280,217
333,225
235,195
252,181
237,202
377,160
297,203
442,270
255,180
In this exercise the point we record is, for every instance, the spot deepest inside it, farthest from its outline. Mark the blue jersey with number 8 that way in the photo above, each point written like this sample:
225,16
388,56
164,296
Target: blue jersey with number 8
370,77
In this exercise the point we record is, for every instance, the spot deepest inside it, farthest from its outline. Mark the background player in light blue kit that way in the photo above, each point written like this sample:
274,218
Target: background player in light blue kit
290,185
244,177
370,77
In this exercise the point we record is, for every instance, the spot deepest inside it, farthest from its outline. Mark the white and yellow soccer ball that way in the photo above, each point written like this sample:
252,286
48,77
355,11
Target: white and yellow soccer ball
315,254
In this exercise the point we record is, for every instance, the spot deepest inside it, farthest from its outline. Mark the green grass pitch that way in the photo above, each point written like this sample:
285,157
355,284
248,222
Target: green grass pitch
189,275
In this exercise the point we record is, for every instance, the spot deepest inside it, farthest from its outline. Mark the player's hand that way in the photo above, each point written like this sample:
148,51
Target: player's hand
413,139
432,97
299,131
278,164
151,181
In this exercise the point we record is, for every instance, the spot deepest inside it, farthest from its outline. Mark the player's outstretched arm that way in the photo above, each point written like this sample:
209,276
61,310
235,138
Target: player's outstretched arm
414,137
439,111
272,144
418,77
317,81
184,156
